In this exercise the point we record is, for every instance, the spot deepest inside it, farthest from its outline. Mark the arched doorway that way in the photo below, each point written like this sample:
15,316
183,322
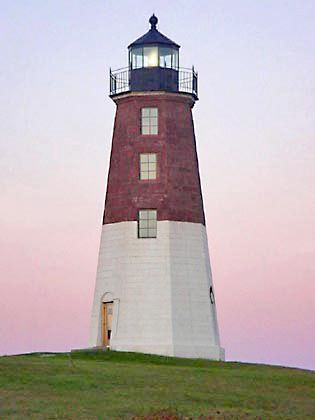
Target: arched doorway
107,309
107,321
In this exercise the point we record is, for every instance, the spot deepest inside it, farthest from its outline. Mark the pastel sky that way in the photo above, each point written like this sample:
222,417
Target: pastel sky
255,127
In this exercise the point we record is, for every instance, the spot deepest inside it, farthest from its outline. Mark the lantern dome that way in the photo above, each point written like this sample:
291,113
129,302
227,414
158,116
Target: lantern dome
153,36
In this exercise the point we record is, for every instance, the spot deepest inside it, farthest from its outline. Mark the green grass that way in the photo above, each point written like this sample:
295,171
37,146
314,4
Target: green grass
106,385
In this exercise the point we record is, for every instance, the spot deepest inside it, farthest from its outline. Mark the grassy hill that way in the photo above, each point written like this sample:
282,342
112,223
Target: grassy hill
106,385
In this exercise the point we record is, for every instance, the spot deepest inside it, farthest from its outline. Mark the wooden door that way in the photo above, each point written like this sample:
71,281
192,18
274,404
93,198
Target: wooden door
107,318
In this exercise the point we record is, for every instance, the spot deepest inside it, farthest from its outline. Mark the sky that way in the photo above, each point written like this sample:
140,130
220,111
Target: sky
255,129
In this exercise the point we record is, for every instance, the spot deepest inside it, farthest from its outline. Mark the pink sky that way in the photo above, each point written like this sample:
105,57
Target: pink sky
255,136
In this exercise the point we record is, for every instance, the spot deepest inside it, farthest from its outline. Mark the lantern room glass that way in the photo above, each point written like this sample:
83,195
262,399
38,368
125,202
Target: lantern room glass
150,56
153,56
136,58
168,57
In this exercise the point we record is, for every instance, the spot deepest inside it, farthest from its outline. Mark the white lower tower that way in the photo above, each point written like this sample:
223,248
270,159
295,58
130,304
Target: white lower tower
160,291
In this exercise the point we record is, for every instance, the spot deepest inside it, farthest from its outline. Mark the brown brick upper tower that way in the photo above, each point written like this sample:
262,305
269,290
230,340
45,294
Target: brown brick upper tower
154,290
175,189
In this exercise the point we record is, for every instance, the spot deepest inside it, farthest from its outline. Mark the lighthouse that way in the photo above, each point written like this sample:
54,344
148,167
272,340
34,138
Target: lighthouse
154,291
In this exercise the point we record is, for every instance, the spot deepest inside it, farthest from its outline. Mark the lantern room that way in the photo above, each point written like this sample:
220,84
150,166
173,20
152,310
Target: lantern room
153,50
153,65
153,61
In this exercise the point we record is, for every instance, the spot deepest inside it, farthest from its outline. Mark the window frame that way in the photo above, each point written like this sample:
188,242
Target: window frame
150,118
147,162
147,228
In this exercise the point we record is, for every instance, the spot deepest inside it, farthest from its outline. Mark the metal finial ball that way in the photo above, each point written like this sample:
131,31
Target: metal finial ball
153,20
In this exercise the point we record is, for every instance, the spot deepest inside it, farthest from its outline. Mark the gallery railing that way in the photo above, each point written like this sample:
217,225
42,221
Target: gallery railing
120,81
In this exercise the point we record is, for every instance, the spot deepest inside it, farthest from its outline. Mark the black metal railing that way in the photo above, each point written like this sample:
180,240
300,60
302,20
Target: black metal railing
120,81
188,81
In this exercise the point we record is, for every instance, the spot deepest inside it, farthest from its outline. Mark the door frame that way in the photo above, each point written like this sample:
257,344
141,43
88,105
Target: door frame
105,339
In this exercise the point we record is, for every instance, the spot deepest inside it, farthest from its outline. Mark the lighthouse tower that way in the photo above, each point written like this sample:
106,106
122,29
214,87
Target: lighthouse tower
154,290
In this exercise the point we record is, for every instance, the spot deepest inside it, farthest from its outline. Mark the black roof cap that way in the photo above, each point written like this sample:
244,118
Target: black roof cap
153,36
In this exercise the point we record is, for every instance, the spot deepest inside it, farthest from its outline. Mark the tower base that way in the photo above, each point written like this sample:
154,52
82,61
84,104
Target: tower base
186,351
